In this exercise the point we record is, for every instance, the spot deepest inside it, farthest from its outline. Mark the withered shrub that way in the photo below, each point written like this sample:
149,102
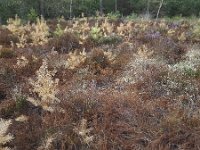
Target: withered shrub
31,138
113,118
157,110
31,67
64,44
7,53
7,37
97,61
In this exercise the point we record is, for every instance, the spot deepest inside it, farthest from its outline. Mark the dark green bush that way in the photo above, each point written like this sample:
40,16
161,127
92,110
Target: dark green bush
20,102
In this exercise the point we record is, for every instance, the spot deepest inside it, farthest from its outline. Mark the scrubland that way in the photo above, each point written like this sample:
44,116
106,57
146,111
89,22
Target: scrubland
98,83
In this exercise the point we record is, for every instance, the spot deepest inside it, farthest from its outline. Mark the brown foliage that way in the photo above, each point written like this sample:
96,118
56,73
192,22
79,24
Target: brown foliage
6,37
7,53
157,110
7,108
29,132
64,44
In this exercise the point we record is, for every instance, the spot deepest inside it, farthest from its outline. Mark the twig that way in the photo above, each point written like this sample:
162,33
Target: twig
161,3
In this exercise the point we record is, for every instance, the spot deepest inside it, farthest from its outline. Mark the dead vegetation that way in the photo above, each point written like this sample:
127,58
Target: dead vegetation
79,87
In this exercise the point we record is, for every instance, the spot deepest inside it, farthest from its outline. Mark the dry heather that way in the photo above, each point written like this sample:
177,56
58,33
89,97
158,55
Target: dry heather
45,87
4,137
100,84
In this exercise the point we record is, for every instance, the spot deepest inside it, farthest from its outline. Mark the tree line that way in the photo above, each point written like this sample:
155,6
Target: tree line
75,8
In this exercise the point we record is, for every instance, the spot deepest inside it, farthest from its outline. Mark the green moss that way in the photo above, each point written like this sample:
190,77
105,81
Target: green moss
192,73
20,102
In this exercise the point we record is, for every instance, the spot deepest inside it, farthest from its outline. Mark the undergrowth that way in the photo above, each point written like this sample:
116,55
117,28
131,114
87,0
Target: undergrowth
100,84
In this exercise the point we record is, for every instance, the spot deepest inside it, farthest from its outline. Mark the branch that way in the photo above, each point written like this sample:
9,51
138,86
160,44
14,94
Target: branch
161,3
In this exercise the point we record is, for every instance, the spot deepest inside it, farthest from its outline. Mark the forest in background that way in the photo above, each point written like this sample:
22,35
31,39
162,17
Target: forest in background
28,9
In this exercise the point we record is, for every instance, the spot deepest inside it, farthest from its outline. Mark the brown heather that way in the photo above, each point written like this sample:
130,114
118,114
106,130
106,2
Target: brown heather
72,87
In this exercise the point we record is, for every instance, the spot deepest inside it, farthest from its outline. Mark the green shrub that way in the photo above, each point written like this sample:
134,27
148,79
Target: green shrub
114,15
97,37
192,73
32,15
132,16
20,102
59,31
96,33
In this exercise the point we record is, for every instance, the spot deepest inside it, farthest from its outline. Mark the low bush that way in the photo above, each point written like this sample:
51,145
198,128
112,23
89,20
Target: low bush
109,40
7,53
7,37
113,15
64,43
